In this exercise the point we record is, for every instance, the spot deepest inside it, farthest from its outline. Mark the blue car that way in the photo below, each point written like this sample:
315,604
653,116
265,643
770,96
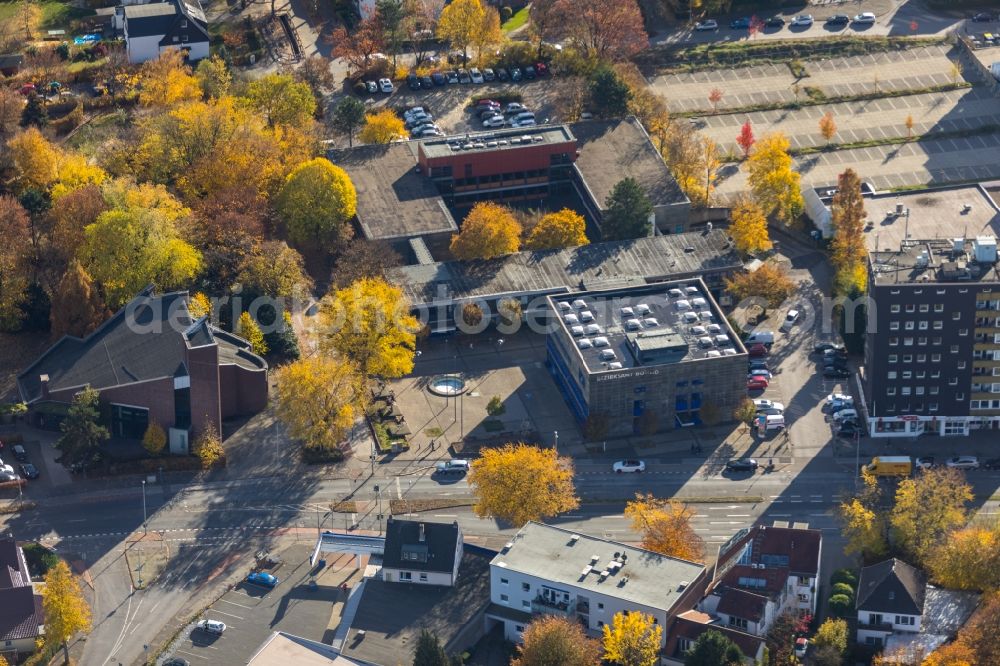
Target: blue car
740,23
261,578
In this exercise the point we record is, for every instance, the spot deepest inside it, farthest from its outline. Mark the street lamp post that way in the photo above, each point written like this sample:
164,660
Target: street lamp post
144,528
378,494
556,433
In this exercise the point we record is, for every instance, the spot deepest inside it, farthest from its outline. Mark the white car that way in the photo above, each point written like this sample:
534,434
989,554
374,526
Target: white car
760,372
515,107
477,76
211,626
790,319
776,407
629,466
415,111
708,24
527,122
864,17
385,85
494,121
802,19
963,462
838,397
845,414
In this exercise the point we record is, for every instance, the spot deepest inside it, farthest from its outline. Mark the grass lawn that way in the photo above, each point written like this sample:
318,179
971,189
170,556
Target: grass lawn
54,14
516,21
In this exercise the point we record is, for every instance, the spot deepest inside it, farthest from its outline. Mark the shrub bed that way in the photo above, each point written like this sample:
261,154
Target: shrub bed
314,455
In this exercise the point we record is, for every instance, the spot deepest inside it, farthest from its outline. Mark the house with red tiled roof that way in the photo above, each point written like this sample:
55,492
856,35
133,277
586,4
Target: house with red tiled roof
690,625
21,617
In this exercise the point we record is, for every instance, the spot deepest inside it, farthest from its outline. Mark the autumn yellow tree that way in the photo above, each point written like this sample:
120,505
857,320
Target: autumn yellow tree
489,33
459,24
382,127
74,171
154,439
748,227
199,305
928,507
827,126
282,100
665,526
167,81
213,76
564,228
551,640
317,203
208,447
248,329
829,645
773,182
518,483
968,559
36,160
863,521
489,230
318,399
769,282
632,639
369,324
274,270
77,308
66,610
848,249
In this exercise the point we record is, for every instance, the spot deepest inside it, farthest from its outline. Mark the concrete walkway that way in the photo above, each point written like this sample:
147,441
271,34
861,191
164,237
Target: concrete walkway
347,617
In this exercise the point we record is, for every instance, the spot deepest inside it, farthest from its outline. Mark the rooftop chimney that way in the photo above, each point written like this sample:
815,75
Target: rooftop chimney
422,535
44,379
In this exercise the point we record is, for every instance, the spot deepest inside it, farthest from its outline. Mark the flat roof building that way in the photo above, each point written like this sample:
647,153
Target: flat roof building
553,571
645,359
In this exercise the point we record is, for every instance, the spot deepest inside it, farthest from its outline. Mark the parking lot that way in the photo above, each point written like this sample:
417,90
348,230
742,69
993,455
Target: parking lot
772,84
878,119
251,612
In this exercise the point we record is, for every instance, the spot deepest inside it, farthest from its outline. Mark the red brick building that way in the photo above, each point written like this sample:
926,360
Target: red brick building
151,362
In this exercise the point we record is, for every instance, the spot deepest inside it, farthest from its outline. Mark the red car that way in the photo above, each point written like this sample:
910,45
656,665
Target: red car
487,102
541,68
757,350
27,88
756,382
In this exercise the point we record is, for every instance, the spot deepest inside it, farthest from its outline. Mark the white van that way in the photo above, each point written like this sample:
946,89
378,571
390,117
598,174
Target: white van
761,337
775,422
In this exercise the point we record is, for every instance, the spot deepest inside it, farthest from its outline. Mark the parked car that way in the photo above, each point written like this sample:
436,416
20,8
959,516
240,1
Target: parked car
452,76
414,111
831,372
514,108
20,453
502,74
834,397
425,132
476,75
757,350
262,578
740,23
489,75
426,82
515,74
835,362
757,383
823,347
489,112
790,319
371,87
742,465
439,79
530,73
774,22
176,661
494,122
707,24
412,82
454,466
846,413
464,76
28,471
802,20
527,122
838,19
864,18
763,404
983,17
385,85
925,462
541,69
801,646
760,372
623,466
992,463
963,462
850,429
211,626
837,407
758,364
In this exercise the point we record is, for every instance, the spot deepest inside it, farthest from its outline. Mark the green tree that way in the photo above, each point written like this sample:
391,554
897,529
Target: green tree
712,648
248,329
154,439
213,76
428,651
35,113
66,609
317,203
391,16
495,406
282,100
627,212
609,94
81,433
348,116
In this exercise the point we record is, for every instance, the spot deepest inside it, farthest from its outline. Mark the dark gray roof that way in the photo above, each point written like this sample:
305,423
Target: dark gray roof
892,586
145,340
610,150
13,568
394,200
21,613
11,60
596,266
167,18
404,549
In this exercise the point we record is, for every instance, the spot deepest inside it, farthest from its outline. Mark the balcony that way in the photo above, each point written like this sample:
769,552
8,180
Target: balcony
875,626
542,605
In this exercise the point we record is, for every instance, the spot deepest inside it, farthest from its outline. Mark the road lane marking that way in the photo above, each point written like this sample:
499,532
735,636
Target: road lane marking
455,515
737,515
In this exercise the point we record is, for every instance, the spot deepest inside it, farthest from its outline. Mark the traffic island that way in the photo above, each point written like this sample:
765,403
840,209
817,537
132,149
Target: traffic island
146,557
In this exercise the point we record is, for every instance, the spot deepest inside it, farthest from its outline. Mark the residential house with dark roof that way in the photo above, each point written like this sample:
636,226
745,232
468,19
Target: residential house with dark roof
21,616
900,612
421,552
150,29
690,625
151,362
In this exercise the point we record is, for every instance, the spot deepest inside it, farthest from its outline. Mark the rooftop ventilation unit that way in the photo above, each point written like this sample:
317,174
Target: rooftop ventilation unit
682,585
957,245
986,249
595,558
574,538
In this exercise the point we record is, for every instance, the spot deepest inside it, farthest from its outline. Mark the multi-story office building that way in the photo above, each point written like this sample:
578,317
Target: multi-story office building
932,354
549,570
617,355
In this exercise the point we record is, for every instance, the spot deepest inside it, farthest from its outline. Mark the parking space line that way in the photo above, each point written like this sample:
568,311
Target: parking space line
216,610
236,604
193,654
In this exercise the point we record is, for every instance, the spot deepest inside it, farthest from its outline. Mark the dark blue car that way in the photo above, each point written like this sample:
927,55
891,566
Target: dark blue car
740,23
